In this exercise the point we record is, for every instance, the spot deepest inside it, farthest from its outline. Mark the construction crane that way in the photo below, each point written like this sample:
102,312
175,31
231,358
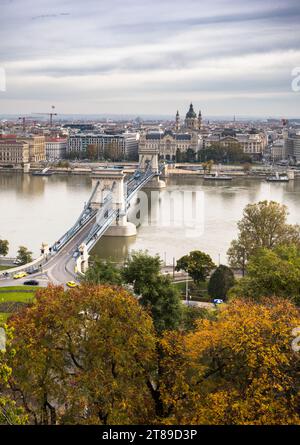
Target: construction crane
24,119
50,115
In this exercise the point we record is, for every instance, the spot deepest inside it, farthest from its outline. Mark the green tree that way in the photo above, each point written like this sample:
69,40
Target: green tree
197,264
140,269
263,225
103,272
4,246
271,273
221,280
191,316
83,356
24,255
154,290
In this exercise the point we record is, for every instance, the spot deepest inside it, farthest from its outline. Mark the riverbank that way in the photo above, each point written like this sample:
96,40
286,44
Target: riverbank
256,171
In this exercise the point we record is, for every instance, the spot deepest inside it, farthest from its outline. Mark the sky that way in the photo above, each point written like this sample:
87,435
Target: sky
232,57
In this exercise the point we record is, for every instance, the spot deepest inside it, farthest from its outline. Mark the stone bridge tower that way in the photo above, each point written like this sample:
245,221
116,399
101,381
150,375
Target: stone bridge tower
111,184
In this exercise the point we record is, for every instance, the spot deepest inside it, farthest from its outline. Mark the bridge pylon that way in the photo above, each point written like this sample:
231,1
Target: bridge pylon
149,157
112,187
83,260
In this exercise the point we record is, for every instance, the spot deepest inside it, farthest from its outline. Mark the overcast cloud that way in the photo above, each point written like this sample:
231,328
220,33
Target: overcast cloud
150,57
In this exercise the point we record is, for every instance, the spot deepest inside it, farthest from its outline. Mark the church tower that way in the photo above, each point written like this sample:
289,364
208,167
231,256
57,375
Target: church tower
199,120
191,121
177,125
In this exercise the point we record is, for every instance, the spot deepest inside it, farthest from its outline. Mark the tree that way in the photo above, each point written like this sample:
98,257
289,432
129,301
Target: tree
140,269
271,273
83,356
179,157
197,264
155,291
163,301
221,280
238,368
24,256
263,225
92,152
247,167
10,414
4,246
191,315
103,272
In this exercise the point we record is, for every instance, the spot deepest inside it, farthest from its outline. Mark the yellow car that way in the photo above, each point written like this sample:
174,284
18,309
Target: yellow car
20,275
72,284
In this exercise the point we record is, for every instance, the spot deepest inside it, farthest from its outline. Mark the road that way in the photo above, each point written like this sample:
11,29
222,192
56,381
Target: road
60,268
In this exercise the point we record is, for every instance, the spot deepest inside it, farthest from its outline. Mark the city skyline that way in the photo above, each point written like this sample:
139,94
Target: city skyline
123,57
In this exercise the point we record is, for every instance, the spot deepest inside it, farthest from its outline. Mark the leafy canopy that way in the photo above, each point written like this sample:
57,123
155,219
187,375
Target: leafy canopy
197,264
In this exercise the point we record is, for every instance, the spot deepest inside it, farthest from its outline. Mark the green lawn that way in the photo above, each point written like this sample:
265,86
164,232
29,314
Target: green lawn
19,288
6,267
17,294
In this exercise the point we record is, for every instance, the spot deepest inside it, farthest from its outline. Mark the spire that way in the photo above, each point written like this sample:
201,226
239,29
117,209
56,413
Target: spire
177,125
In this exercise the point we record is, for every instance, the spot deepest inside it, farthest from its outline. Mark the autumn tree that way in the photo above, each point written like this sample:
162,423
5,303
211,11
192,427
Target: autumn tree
239,368
271,272
24,256
92,152
197,264
263,225
221,280
10,414
83,356
4,246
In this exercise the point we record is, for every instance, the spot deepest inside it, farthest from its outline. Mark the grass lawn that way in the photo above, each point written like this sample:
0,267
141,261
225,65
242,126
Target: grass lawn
6,267
19,288
17,293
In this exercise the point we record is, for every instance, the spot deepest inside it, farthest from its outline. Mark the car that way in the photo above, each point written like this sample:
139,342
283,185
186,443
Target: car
217,301
20,275
16,261
72,284
31,283
31,271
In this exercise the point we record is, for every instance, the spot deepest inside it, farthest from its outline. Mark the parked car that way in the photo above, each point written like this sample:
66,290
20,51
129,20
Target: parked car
217,301
31,283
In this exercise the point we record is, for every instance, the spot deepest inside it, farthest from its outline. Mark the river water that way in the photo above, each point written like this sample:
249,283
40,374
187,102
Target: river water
189,214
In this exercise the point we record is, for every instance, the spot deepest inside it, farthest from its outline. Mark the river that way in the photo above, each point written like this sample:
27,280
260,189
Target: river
40,209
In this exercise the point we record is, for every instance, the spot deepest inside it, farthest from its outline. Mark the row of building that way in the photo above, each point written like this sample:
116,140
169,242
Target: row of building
33,149
171,140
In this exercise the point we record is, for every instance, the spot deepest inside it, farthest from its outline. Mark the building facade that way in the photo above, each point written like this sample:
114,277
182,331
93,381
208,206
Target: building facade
292,144
56,149
37,149
121,146
13,152
253,145
176,143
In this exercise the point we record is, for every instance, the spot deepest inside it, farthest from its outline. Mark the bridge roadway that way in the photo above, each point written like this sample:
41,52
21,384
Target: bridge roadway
60,267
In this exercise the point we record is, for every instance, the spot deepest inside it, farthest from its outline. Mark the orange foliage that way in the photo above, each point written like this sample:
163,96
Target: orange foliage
237,369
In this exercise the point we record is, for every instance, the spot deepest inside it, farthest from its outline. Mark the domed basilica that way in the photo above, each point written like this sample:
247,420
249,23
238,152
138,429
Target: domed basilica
178,143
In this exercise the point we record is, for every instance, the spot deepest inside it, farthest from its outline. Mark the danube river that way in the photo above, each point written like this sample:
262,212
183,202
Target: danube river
189,214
